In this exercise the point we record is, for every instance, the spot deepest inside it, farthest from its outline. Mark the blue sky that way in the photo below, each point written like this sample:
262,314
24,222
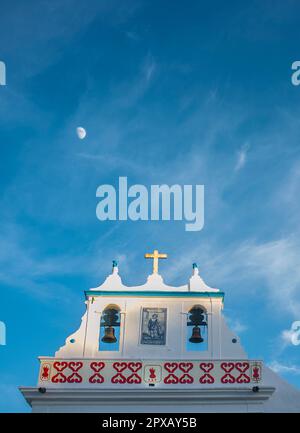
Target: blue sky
193,93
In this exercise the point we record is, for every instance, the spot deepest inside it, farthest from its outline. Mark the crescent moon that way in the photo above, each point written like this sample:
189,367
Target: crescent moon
81,132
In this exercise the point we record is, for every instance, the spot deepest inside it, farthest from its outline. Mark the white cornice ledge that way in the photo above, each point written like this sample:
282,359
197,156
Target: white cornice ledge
149,396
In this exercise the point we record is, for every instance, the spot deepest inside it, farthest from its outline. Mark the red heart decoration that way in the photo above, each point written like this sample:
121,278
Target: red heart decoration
120,366
227,366
242,366
228,378
60,366
171,366
134,366
96,378
75,366
206,378
134,378
75,377
171,378
118,378
243,378
97,366
185,366
206,366
186,378
59,378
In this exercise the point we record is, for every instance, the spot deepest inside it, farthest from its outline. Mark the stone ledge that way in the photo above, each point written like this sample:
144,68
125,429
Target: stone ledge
141,397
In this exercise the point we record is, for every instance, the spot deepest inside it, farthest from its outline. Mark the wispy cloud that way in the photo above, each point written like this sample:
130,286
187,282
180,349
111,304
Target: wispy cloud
242,157
26,268
149,67
274,264
133,36
52,26
236,325
113,162
286,337
278,367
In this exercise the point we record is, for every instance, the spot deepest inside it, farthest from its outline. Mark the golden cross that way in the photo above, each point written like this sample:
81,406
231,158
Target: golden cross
155,256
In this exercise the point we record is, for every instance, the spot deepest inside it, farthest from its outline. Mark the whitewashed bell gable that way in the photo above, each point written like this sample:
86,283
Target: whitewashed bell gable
157,370
178,301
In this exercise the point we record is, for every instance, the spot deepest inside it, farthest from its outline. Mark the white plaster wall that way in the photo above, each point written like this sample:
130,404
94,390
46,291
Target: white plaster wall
87,337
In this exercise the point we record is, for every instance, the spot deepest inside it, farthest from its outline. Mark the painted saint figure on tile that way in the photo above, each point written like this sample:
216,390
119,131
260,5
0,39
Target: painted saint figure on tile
154,323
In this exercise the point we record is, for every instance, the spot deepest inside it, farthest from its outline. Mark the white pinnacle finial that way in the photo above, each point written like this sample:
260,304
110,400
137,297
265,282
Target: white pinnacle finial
197,284
115,269
195,269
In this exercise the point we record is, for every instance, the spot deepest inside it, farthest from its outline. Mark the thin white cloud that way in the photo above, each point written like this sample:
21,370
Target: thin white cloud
242,157
113,162
236,325
127,93
133,36
53,26
274,264
25,268
278,367
149,68
287,336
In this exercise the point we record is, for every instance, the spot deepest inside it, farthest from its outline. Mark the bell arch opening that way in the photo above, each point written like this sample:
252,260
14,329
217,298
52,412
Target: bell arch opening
110,327
196,329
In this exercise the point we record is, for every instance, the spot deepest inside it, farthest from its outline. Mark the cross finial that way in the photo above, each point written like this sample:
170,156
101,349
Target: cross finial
155,256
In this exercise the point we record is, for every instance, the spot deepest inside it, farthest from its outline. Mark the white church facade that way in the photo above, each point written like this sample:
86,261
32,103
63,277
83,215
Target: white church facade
156,348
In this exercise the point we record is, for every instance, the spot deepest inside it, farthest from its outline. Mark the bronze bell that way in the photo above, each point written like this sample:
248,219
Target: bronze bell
196,335
109,335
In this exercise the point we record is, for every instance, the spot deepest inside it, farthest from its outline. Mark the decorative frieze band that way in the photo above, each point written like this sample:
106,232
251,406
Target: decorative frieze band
111,373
